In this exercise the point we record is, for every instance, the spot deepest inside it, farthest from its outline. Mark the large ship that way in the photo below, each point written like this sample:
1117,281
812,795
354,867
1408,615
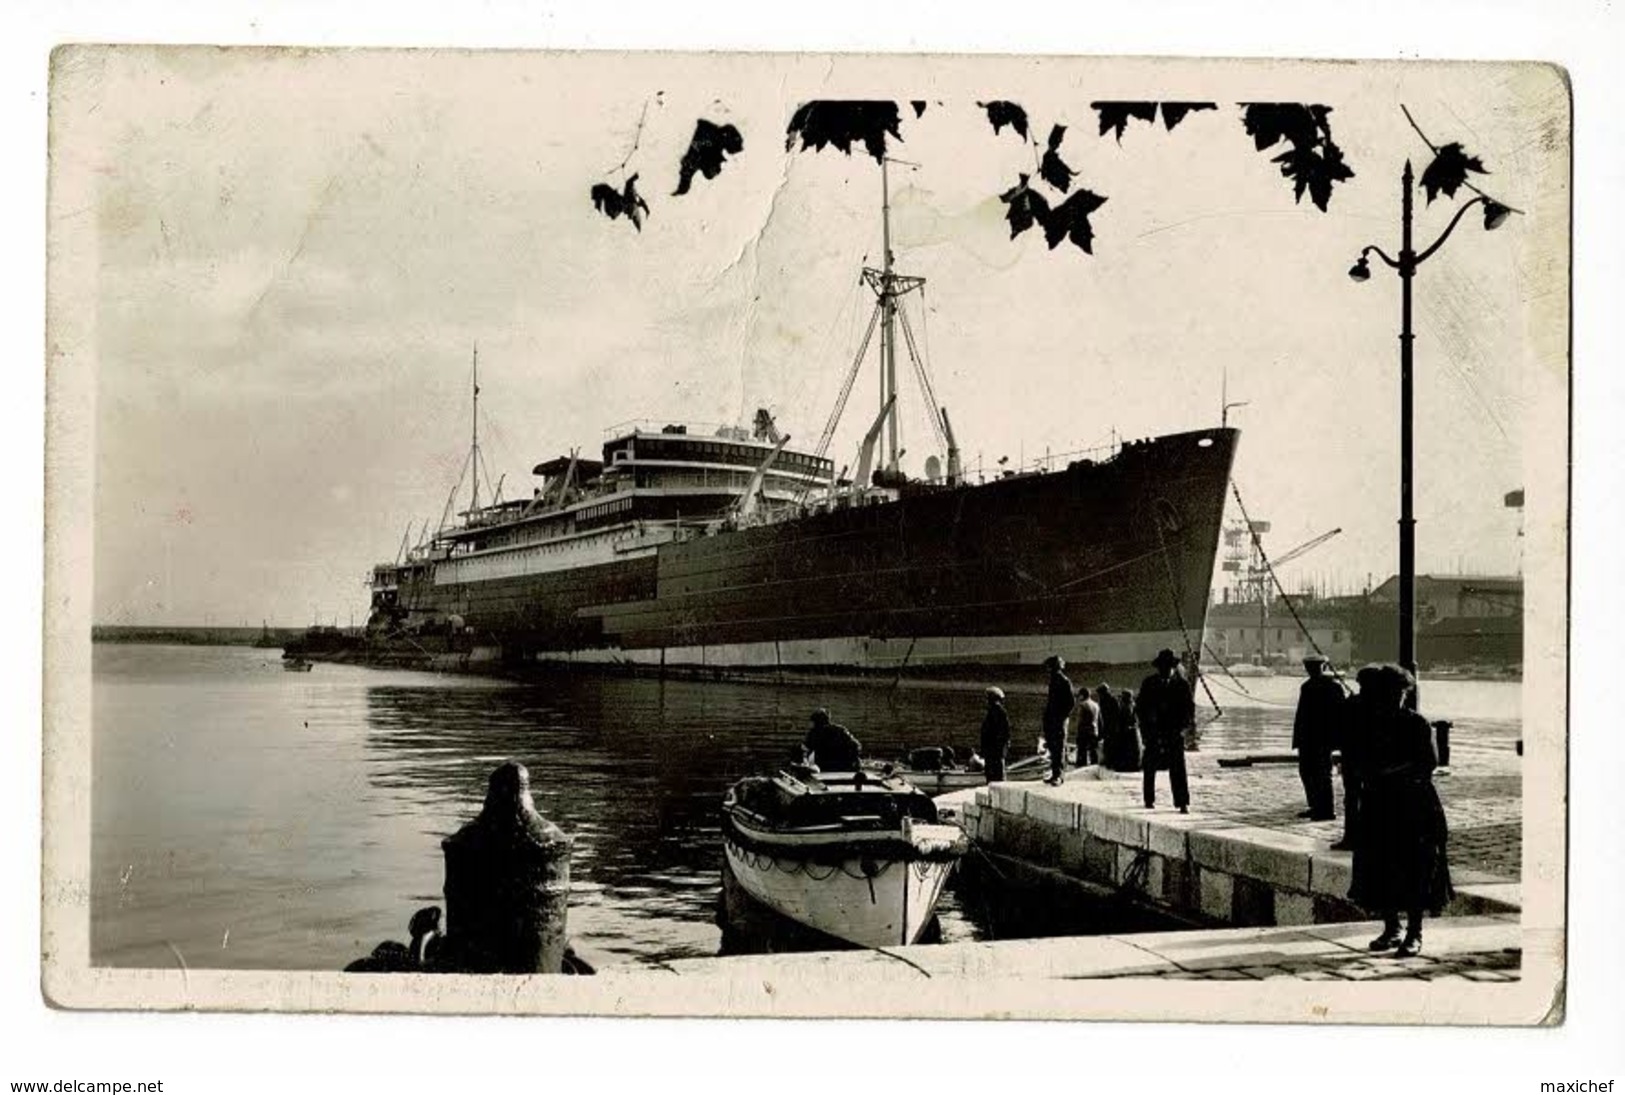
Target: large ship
728,548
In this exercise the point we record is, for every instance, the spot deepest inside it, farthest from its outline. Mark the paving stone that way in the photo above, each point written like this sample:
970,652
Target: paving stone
1293,908
1216,892
1099,859
1051,810
1009,797
1330,873
1169,841
1360,973
1252,902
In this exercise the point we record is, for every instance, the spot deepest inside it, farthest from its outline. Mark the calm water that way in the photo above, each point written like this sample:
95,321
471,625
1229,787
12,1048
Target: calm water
247,817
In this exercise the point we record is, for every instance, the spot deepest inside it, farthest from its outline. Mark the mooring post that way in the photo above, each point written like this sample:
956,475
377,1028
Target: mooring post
1441,741
508,883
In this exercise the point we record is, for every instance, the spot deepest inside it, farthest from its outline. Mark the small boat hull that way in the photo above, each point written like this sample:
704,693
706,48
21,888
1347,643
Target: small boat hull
947,780
869,902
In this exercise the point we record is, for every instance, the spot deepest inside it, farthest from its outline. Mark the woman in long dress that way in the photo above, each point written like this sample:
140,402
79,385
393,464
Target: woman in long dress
1400,863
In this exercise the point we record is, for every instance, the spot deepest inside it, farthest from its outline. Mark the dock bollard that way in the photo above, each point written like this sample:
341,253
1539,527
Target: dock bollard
1441,741
508,883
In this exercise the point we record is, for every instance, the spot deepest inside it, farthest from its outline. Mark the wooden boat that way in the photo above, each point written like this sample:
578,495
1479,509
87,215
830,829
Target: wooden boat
935,772
855,855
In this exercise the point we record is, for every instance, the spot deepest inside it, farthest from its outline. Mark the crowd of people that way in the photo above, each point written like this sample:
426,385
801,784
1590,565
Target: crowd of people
1393,820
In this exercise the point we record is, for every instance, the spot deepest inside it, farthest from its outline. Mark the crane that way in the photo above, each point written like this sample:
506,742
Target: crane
1306,547
1262,571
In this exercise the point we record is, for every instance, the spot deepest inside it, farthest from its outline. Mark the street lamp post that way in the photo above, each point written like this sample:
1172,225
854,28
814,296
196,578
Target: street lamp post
1494,215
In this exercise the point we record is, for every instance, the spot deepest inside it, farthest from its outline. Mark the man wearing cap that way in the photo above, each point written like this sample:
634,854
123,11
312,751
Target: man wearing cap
1314,731
1057,706
995,743
832,746
1166,711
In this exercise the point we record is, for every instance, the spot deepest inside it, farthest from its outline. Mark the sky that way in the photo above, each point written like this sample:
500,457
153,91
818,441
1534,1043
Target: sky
295,253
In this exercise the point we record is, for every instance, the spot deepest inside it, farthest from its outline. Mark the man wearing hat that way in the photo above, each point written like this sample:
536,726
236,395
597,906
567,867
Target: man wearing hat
1166,711
1057,706
832,745
1315,729
995,741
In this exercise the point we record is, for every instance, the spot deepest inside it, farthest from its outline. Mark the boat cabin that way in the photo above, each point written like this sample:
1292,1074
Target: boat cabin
806,800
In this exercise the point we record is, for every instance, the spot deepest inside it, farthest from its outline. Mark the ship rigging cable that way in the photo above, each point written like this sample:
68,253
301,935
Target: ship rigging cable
846,387
1179,616
1275,579
927,389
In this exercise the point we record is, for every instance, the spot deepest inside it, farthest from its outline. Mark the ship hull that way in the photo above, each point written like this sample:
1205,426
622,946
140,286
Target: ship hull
1104,563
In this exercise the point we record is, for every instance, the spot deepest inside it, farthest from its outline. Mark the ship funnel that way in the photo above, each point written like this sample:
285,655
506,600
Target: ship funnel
933,469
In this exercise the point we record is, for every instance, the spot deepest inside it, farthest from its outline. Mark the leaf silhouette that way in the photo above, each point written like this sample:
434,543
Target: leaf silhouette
1174,113
1003,113
1027,207
1448,171
1300,124
1052,169
1070,220
1314,170
615,203
1314,163
843,123
1115,115
709,147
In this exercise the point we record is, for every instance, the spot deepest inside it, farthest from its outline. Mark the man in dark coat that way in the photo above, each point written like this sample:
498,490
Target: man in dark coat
1111,730
995,743
1057,706
831,745
1400,863
1314,728
1350,744
1129,721
1166,711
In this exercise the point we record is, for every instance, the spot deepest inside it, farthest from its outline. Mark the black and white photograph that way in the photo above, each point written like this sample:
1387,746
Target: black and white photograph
807,534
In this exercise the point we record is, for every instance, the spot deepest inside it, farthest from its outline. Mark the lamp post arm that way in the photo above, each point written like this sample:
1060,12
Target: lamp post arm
1381,254
1451,227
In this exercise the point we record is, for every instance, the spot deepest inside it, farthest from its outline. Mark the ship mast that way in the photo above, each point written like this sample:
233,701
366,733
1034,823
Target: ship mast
474,449
888,329
888,286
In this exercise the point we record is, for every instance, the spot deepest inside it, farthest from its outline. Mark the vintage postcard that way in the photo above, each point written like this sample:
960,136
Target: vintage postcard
807,535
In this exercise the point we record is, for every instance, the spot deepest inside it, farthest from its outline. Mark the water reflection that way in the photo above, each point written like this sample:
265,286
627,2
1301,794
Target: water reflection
635,768
244,817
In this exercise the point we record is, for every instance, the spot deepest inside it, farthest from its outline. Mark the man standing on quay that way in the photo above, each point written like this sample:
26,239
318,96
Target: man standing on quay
995,740
1090,731
1314,730
1057,707
1166,712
